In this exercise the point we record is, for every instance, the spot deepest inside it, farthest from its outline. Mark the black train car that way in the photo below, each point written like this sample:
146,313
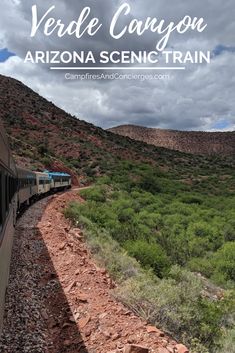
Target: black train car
8,209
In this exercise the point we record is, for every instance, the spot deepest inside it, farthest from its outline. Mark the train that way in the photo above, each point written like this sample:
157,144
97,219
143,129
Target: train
19,188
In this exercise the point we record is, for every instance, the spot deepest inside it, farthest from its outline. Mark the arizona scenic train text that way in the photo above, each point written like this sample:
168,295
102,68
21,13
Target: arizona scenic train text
18,188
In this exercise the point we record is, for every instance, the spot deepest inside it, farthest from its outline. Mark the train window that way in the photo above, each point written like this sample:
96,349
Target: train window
9,189
15,185
6,193
4,185
12,188
12,191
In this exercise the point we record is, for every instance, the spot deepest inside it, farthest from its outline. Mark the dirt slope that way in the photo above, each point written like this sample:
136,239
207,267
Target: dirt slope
196,142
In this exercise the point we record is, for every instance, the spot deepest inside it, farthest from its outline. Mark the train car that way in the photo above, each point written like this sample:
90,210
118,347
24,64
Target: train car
18,187
60,181
8,210
43,181
27,186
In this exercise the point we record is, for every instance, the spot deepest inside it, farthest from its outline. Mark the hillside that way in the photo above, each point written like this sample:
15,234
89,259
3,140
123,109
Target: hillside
196,142
44,136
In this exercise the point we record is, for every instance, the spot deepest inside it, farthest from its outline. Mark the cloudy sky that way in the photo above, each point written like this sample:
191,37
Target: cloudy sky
199,98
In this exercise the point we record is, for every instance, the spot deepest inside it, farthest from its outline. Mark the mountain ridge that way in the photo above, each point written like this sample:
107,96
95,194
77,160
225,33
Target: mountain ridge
195,142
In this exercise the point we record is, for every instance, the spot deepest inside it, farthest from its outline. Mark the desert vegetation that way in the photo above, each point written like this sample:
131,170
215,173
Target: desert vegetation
170,246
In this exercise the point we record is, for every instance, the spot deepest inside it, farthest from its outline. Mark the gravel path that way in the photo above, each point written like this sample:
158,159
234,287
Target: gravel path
24,327
30,316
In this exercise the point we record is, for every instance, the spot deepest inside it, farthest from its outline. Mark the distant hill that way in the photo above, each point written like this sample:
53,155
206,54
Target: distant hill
196,142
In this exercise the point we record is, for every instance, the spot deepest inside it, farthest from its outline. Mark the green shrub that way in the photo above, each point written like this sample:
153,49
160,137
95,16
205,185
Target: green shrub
126,214
227,342
175,305
229,231
150,256
191,199
149,183
94,194
201,265
224,261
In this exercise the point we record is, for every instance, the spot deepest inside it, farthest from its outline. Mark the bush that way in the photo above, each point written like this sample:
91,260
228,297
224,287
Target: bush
176,306
126,214
192,199
227,342
150,256
229,232
43,148
94,194
149,183
224,261
201,265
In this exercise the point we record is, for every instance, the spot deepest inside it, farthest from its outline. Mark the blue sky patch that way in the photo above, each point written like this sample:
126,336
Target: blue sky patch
219,49
221,124
5,54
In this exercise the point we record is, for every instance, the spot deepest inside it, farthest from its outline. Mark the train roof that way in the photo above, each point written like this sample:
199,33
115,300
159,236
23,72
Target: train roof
60,174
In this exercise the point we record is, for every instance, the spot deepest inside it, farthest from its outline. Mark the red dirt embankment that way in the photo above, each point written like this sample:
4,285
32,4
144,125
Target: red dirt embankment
104,323
76,309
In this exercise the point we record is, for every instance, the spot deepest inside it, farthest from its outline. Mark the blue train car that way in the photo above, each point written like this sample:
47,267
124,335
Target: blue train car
60,180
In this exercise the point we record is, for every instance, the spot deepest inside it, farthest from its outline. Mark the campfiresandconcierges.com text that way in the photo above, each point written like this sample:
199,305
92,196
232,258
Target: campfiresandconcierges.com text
116,76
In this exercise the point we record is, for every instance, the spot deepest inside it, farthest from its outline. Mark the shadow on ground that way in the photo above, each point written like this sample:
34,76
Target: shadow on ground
38,318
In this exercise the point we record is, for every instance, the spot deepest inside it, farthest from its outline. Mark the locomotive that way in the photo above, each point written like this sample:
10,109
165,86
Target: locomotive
19,187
